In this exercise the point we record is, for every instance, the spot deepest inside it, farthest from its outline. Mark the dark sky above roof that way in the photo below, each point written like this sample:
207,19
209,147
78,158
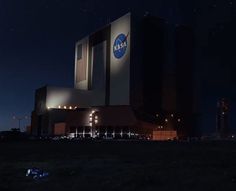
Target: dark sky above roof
37,40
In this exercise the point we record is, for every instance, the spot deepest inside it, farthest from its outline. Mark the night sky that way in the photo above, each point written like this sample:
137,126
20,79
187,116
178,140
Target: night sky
37,42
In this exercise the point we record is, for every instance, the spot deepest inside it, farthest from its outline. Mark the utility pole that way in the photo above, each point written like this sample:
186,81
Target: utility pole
19,120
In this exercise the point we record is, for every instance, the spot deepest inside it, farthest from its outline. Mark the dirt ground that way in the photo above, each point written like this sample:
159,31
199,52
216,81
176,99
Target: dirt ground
119,165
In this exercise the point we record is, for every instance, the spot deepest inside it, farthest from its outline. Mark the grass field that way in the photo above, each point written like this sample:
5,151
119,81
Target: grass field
119,165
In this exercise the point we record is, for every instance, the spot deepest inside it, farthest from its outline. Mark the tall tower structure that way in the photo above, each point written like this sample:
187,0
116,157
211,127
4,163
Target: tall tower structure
222,124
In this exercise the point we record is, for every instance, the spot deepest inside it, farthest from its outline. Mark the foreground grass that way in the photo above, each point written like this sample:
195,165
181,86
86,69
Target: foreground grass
119,165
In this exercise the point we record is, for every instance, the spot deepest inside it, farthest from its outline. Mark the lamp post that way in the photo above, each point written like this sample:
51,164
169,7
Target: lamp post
19,120
93,120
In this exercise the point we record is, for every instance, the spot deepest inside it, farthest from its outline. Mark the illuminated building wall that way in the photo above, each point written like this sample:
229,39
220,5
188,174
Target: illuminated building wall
164,135
132,69
128,65
102,63
64,98
120,61
81,65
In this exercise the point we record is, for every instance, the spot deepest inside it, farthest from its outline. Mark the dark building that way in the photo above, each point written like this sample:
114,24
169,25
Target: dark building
222,119
184,78
132,78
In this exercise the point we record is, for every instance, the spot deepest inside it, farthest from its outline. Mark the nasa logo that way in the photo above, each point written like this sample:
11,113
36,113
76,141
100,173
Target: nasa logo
120,46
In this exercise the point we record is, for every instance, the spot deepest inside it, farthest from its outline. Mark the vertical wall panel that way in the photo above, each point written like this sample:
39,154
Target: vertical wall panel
81,65
120,61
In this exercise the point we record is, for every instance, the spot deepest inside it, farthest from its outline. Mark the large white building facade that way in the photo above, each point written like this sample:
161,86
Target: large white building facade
125,84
